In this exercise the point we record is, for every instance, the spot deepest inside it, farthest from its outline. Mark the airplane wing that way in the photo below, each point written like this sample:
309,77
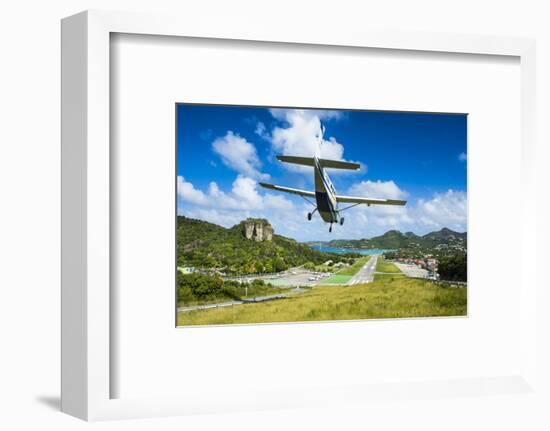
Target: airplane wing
339,164
325,163
288,190
369,201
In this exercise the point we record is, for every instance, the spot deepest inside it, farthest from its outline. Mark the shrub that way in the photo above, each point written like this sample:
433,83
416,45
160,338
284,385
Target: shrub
201,286
453,268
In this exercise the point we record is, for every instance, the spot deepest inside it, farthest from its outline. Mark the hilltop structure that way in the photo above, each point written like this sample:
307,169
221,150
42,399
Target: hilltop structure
257,229
208,247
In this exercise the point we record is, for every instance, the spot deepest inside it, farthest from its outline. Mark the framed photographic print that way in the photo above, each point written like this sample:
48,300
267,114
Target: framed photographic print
343,246
225,211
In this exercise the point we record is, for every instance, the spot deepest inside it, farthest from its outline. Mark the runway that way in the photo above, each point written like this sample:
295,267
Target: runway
366,273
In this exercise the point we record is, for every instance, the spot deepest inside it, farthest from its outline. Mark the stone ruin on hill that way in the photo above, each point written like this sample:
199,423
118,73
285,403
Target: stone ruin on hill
257,229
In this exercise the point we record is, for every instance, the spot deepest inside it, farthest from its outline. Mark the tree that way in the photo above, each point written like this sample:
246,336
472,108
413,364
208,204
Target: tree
309,265
279,265
453,268
198,286
258,283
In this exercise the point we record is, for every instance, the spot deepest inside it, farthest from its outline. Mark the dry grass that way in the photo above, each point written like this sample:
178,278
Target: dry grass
387,297
353,269
383,266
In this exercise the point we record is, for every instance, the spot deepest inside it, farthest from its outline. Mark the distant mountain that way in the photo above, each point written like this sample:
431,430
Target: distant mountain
394,239
391,239
445,234
246,248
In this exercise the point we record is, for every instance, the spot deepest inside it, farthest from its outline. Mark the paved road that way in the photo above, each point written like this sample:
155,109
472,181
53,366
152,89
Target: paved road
239,302
365,274
293,277
412,270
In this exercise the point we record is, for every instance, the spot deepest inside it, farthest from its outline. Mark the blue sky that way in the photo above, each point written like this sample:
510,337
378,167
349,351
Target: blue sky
223,151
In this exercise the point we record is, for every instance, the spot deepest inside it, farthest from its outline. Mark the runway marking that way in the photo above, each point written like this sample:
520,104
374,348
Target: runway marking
365,274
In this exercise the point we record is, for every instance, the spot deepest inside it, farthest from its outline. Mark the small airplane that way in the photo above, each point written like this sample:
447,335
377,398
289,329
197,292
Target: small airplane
325,194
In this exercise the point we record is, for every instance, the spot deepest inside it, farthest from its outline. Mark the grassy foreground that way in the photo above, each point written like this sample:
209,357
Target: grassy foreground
383,266
352,270
338,279
386,297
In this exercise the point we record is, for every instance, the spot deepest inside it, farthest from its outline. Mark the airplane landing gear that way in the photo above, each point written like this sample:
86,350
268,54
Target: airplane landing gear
309,215
342,221
330,228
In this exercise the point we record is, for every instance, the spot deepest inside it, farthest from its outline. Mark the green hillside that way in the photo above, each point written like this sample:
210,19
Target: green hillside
444,241
208,246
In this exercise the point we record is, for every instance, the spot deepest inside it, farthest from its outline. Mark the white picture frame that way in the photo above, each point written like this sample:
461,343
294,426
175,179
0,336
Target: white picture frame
86,311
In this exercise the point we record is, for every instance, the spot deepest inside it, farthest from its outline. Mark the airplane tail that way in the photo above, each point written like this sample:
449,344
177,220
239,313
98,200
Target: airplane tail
325,163
319,140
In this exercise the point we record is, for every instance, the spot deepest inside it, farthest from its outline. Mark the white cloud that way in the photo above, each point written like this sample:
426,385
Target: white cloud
462,157
190,194
217,198
299,136
377,189
219,217
262,132
242,201
244,190
278,202
282,114
238,154
288,223
387,216
288,217
244,195
377,218
449,209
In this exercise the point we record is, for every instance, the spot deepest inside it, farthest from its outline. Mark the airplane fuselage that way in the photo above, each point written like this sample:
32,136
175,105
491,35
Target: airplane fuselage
325,194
